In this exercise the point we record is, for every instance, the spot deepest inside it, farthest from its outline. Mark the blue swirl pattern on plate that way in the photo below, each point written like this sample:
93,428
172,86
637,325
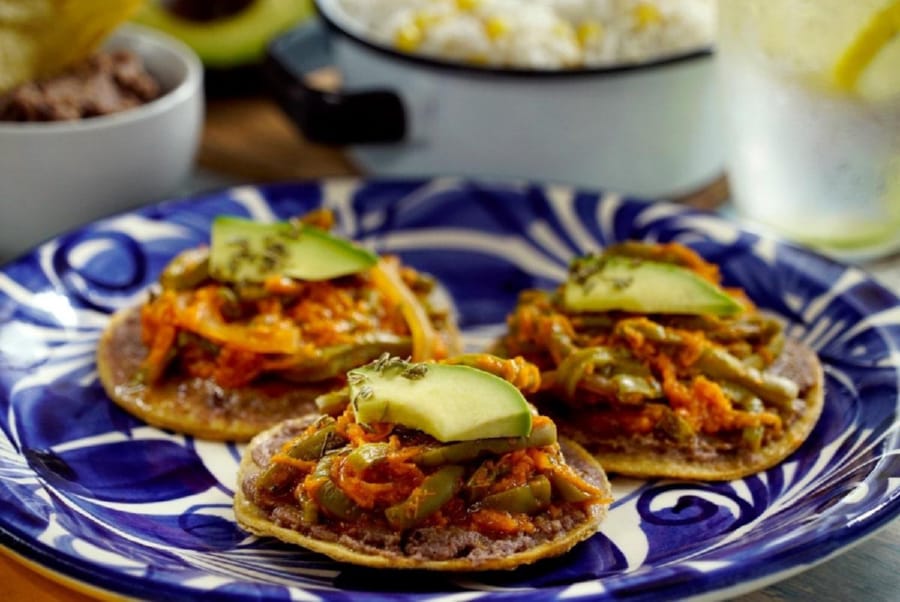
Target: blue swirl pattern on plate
97,495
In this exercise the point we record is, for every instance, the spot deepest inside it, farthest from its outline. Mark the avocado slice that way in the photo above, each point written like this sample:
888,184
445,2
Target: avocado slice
243,250
238,38
645,286
449,402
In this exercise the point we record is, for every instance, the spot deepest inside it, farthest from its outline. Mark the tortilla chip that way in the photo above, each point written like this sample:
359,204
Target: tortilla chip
41,38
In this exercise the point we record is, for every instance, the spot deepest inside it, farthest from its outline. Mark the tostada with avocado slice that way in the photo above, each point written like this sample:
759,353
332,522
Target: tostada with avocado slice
249,330
439,466
660,371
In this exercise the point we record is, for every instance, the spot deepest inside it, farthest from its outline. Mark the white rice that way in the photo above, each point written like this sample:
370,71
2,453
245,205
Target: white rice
537,34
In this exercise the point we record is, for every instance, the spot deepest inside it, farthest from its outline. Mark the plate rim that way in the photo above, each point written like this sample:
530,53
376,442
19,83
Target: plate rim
82,572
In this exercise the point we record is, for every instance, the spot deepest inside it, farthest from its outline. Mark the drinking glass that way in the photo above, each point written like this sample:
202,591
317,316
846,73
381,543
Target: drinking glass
811,92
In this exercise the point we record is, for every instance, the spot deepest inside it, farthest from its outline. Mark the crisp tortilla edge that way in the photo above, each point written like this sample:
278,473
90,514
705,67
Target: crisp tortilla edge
652,464
107,377
200,429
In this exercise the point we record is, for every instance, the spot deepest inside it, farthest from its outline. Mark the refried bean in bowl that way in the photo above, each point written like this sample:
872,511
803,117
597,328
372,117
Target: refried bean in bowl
107,82
95,162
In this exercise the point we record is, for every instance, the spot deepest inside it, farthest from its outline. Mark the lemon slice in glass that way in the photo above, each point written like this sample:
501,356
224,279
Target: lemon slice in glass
870,65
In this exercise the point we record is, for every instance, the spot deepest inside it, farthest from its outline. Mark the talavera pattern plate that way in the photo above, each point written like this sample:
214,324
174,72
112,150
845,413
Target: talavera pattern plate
91,493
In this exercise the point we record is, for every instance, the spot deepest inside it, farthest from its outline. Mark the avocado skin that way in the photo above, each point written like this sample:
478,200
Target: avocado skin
233,40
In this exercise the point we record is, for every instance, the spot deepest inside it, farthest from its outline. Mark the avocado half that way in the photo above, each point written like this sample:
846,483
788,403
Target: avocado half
232,40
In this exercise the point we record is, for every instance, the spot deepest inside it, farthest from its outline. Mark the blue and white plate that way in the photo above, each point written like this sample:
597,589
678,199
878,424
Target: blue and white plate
99,497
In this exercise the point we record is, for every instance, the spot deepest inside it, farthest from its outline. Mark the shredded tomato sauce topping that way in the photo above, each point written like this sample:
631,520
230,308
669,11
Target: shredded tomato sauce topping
291,322
396,478
656,348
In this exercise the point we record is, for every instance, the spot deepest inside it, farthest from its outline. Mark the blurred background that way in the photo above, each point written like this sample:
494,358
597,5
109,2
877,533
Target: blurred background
613,94
229,36
651,131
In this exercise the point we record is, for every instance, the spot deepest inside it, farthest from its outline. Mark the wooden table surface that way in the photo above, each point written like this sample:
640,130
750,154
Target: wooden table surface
248,140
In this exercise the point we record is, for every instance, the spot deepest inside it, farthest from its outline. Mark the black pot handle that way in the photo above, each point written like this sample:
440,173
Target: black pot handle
328,117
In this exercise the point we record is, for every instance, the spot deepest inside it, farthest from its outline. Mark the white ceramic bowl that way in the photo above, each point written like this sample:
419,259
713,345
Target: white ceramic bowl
650,129
57,175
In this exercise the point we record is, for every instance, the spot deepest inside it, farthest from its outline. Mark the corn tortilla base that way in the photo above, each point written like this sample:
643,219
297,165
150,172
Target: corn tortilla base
255,520
191,405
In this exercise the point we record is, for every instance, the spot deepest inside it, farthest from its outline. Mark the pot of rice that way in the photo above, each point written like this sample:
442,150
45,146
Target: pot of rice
616,94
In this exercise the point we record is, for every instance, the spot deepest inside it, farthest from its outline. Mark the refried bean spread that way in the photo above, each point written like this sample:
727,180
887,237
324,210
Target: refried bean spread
107,82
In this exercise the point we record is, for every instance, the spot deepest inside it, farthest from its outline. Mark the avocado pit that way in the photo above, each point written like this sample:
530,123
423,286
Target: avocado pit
204,11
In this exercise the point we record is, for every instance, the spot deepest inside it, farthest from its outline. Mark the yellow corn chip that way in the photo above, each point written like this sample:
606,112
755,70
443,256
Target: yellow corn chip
40,38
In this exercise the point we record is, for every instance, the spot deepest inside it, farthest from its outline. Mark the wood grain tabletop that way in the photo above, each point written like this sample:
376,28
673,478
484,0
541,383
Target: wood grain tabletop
248,140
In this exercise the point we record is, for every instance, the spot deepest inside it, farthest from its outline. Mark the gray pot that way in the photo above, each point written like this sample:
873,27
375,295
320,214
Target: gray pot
649,129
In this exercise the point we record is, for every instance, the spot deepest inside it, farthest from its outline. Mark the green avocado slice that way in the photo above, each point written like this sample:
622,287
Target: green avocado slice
449,402
243,250
235,40
644,286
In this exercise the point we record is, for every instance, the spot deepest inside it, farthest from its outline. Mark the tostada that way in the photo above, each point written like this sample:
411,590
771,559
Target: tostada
660,371
439,466
249,330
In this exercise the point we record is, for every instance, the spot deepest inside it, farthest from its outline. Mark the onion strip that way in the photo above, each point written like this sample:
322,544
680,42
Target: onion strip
388,281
